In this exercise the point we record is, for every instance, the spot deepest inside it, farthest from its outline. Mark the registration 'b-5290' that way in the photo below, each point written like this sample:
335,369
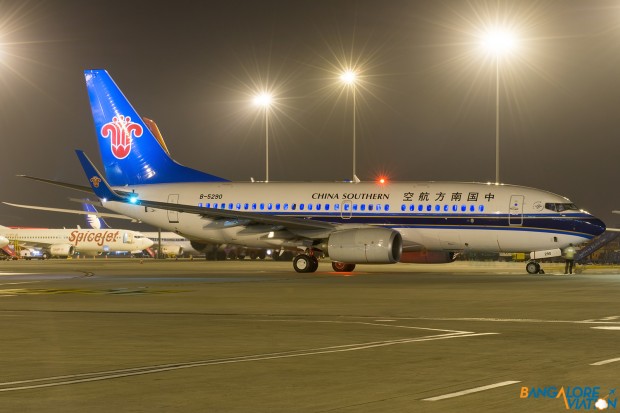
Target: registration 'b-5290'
350,222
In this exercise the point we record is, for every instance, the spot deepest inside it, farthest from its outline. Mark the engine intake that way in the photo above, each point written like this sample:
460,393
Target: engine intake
365,246
62,250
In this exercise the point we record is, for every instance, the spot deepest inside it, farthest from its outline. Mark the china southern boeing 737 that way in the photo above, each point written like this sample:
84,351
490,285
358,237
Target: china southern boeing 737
351,223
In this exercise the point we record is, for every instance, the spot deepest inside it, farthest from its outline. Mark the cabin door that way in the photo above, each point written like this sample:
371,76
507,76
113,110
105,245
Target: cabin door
515,210
173,216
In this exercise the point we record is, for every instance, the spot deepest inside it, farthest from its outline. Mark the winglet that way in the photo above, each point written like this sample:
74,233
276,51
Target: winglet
97,181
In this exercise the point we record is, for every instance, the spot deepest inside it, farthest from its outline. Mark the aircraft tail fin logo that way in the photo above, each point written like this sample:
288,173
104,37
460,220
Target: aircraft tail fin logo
120,132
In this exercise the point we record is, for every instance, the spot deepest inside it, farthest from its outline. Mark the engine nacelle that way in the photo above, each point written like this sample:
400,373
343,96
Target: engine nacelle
365,246
198,246
62,250
427,257
175,250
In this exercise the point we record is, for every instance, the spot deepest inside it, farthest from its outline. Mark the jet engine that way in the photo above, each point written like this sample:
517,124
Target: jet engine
175,250
366,245
61,250
427,257
198,246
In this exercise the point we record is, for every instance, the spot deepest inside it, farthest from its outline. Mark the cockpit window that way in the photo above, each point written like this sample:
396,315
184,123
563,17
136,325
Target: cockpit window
560,207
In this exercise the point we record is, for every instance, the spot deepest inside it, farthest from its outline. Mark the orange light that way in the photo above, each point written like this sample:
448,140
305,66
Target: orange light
382,181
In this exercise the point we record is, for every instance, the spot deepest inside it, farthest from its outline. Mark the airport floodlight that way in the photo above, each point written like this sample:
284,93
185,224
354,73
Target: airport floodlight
499,42
265,100
348,77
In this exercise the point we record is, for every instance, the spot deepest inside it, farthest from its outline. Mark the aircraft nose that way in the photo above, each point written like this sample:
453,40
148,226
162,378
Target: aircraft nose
597,226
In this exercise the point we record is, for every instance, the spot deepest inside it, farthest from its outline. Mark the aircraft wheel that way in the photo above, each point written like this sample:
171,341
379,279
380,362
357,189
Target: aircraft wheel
532,267
342,267
303,263
315,263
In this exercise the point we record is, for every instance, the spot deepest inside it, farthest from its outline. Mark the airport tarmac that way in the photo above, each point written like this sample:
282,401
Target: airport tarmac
254,336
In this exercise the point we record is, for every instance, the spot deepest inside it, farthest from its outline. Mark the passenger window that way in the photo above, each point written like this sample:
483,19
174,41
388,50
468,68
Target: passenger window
318,207
387,207
238,206
294,207
378,207
277,207
411,207
286,207
200,204
327,207
455,208
230,206
445,208
254,206
420,208
336,207
428,208
370,207
437,208
301,207
403,207
262,207
481,208
208,205
463,208
345,206
354,207
246,206
472,208
269,206
309,207
363,207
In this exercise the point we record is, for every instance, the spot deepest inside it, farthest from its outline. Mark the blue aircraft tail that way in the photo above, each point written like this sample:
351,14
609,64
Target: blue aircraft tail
130,152
94,221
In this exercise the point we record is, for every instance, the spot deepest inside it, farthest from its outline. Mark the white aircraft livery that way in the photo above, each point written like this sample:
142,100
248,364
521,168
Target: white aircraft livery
350,222
66,242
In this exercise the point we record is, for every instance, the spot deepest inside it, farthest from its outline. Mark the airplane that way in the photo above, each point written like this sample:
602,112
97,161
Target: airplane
172,243
349,222
65,242
3,242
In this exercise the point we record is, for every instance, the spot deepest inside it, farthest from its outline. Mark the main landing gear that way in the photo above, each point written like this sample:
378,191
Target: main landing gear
533,267
305,263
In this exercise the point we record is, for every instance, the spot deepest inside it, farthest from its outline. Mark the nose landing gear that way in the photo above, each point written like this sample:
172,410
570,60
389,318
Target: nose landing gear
533,267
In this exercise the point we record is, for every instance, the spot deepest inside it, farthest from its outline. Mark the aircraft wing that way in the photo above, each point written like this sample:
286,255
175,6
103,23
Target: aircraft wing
247,217
104,192
73,211
63,184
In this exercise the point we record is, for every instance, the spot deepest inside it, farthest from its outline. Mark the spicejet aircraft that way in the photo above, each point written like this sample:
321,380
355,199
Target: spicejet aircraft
66,242
417,222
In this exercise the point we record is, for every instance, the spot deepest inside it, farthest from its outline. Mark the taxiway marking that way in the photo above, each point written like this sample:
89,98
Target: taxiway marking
113,374
469,391
600,363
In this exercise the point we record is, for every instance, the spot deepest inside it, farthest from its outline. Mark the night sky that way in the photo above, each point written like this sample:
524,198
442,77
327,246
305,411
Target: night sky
425,103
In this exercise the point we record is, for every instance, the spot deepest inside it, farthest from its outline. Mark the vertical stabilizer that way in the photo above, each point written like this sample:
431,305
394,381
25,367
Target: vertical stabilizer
131,154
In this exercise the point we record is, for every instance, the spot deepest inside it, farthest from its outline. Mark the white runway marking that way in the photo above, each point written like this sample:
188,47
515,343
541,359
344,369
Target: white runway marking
513,320
113,374
606,328
600,363
474,390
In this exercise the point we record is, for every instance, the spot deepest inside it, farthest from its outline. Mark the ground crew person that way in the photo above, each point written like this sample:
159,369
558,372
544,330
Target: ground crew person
569,256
